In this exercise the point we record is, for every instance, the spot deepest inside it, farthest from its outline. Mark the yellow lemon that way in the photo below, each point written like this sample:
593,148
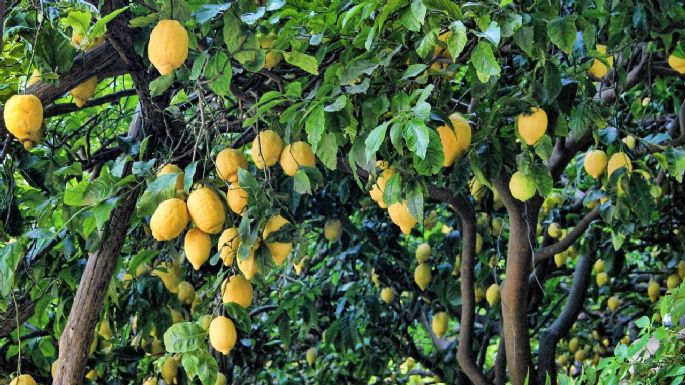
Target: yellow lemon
599,266
311,356
677,63
400,215
77,42
23,116
279,250
151,381
439,324
673,281
422,275
378,188
23,379
266,149
220,379
479,243
681,269
222,334
295,155
423,252
169,219
388,295
602,278
522,186
599,69
237,198
84,91
613,303
169,273
332,230
617,161
105,331
492,294
533,126
438,50
554,230
237,289
653,291
168,46
228,244
169,370
197,246
186,293
595,163
479,294
34,78
228,162
560,259
206,210
248,266
92,375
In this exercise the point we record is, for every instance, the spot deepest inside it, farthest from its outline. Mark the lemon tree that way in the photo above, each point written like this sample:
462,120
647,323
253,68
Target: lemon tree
324,192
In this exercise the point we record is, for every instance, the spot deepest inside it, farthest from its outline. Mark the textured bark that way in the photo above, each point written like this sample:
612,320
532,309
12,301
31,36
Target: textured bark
522,225
561,326
78,333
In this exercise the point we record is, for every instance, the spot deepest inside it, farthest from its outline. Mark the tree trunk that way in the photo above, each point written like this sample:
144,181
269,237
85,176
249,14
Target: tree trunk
514,299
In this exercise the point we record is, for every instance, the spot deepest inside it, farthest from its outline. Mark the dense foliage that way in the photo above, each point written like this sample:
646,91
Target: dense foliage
430,192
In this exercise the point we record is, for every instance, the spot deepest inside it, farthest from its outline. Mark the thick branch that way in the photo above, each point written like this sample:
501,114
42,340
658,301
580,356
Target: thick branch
571,237
561,326
65,108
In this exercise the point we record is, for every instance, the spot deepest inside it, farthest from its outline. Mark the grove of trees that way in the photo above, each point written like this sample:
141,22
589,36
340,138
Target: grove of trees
342,192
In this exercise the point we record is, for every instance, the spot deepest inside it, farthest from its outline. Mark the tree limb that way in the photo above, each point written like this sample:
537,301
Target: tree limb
569,239
65,108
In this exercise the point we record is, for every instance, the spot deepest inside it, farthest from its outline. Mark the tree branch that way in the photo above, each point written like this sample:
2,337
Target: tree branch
65,108
571,237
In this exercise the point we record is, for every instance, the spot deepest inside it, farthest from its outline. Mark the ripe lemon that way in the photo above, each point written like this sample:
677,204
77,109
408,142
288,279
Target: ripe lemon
228,244
595,163
479,294
400,215
248,266
677,63
580,355
23,116
613,303
522,186
533,126
311,356
479,243
105,331
449,144
299,267
496,225
422,275
653,291
84,91
673,281
53,368
206,210
237,198
237,289
492,294
599,266
220,379
618,160
443,52
332,230
423,252
169,370
222,334
560,259
23,379
599,69
376,279
455,141
168,46
228,162
174,169
35,77
630,140
681,269
151,381
378,188
295,155
439,324
602,278
272,58
197,246
573,345
169,219
266,149
186,293
388,295
279,250
554,230
169,273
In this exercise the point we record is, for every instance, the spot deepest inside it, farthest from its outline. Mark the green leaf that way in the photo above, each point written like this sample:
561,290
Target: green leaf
457,40
412,18
315,125
393,189
491,33
161,189
54,51
301,183
544,147
525,39
10,255
251,59
542,177
416,135
413,70
232,31
427,44
161,84
562,32
219,73
339,103
207,12
552,82
375,139
79,21
448,6
302,60
200,364
239,316
100,27
415,200
484,62
434,158
327,150
184,337
189,175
